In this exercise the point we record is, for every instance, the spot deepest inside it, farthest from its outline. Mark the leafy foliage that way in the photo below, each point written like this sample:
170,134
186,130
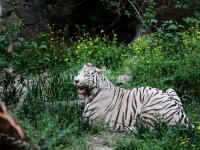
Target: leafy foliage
169,57
163,137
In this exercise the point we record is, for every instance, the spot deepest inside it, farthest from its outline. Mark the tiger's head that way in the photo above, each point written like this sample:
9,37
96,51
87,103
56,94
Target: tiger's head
87,79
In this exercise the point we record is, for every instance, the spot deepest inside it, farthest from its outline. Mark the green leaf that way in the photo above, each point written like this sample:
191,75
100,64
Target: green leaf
43,46
172,27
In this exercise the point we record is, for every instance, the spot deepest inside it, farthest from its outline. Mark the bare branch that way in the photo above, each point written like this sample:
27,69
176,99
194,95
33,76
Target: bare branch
136,11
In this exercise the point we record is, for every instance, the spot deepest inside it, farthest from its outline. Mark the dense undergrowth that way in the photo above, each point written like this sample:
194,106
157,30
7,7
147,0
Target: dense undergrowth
167,58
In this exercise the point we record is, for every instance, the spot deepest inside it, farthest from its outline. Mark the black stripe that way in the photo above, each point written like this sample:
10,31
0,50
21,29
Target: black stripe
91,119
168,112
171,115
168,121
154,100
182,115
169,100
145,119
159,98
119,107
110,85
94,102
146,111
110,117
186,120
143,94
130,120
111,100
91,116
119,92
135,100
119,128
134,108
90,99
140,96
171,91
123,119
136,91
92,109
111,108
149,114
127,103
175,104
147,100
166,106
153,104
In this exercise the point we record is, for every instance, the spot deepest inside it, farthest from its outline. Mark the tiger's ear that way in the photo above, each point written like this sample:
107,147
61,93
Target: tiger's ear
2,107
101,70
88,64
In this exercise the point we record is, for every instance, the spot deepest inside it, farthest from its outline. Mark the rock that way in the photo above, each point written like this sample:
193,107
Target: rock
31,14
29,11
123,78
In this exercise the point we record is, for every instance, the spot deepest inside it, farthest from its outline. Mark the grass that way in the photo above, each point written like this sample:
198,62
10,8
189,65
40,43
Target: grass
51,124
154,60
175,138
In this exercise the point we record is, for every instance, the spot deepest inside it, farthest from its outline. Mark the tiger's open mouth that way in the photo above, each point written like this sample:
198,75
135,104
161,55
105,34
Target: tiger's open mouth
82,91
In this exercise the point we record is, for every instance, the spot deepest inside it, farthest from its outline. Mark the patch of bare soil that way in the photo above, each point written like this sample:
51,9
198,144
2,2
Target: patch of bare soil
105,140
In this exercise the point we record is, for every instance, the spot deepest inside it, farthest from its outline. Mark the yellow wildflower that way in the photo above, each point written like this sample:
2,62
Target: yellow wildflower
66,59
198,127
96,39
184,142
90,43
78,47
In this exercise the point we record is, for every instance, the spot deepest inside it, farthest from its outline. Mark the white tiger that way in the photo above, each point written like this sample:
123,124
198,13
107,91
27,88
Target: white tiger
119,107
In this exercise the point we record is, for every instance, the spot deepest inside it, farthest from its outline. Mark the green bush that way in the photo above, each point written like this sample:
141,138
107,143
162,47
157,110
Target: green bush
48,118
8,34
163,138
168,58
155,66
101,51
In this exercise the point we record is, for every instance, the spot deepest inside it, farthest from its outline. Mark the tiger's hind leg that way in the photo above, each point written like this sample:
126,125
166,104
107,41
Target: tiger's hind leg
172,93
181,115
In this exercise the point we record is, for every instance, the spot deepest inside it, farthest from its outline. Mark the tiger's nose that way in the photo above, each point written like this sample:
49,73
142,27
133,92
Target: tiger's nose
76,81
